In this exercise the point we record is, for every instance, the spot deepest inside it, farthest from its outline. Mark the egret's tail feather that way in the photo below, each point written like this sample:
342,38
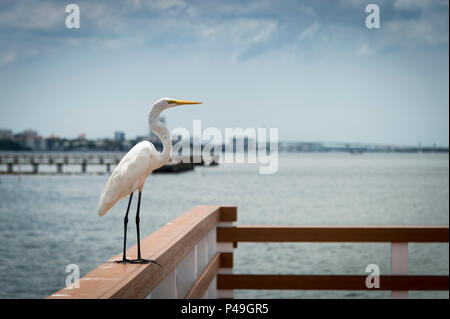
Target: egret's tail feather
103,205
101,209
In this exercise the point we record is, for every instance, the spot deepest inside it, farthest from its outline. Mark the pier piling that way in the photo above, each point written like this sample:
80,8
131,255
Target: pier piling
35,168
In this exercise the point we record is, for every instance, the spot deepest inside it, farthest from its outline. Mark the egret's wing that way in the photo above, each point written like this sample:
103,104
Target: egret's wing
128,175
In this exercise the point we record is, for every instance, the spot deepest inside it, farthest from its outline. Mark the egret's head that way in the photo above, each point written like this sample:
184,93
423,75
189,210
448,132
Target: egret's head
166,103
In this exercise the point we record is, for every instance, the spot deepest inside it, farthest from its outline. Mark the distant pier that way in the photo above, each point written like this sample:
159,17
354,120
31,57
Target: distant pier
35,160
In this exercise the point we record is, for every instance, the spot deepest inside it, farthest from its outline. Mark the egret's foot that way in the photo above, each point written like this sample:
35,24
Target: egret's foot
145,261
124,261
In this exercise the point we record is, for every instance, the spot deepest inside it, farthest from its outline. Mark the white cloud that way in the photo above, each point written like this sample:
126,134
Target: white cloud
157,4
239,31
364,50
411,4
8,58
228,26
351,3
33,16
309,31
33,52
416,32
267,29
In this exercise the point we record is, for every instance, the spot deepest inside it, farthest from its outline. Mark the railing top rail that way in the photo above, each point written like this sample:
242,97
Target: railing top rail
168,246
422,234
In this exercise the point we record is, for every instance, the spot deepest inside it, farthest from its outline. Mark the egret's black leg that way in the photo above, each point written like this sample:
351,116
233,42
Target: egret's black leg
137,226
125,223
139,259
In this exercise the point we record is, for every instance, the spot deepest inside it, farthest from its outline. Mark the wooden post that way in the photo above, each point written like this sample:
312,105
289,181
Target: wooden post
399,265
167,289
226,247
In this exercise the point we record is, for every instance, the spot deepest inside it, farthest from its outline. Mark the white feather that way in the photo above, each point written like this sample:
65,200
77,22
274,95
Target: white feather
128,176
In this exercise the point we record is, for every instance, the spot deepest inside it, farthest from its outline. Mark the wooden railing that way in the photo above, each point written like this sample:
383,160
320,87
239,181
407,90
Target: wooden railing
399,237
187,249
196,251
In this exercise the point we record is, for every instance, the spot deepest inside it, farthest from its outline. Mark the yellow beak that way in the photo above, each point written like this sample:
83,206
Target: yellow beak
180,102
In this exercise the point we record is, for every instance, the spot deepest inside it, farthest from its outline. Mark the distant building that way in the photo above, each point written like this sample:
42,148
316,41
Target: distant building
119,136
30,139
5,134
53,143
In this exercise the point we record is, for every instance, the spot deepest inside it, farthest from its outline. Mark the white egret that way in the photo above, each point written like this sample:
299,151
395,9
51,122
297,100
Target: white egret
134,168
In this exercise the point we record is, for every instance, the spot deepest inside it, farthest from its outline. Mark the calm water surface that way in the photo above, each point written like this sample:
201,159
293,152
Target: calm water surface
48,222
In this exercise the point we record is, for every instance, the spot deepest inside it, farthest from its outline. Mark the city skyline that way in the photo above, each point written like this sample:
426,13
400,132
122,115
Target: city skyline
36,142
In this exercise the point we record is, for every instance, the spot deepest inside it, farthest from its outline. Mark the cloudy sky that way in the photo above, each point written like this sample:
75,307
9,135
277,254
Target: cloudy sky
310,68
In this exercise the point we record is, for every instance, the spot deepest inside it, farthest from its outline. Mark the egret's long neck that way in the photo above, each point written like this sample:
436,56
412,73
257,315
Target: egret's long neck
163,133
